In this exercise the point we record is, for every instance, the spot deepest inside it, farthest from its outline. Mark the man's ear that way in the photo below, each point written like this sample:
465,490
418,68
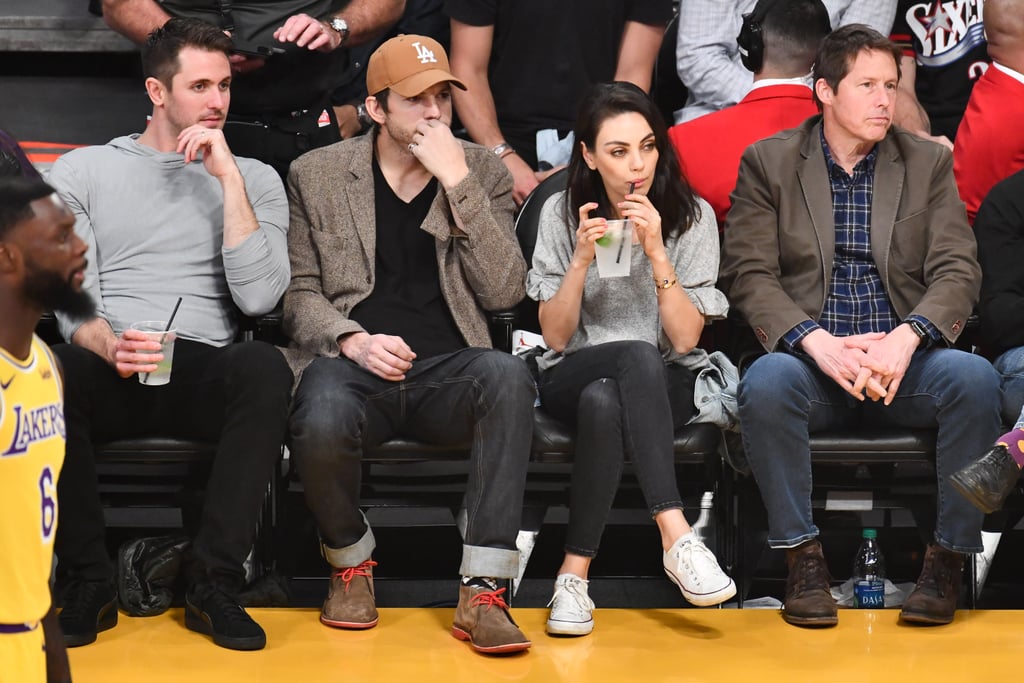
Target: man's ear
10,257
156,90
824,91
375,111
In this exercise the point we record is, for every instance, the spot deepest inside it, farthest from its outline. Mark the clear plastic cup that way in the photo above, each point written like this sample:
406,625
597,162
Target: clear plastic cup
155,330
614,249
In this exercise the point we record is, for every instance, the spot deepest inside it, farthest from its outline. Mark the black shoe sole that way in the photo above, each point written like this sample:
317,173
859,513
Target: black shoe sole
965,489
196,620
107,621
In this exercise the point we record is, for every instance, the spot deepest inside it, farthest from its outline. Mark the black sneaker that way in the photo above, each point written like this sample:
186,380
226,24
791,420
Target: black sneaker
210,610
89,607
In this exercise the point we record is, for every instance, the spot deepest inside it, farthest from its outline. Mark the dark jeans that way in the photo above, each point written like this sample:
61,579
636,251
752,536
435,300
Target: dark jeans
476,397
236,396
624,401
783,398
280,139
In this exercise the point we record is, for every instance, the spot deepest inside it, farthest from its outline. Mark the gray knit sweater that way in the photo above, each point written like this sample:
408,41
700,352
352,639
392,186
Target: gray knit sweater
154,227
616,309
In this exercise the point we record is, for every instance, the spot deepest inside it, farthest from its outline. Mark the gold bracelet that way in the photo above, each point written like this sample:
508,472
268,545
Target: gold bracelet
664,283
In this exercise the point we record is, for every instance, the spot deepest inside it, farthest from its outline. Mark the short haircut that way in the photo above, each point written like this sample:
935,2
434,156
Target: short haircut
840,48
16,196
160,53
382,99
793,31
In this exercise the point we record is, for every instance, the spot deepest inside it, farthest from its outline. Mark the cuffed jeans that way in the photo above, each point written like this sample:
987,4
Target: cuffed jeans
477,397
235,396
1010,365
783,398
623,401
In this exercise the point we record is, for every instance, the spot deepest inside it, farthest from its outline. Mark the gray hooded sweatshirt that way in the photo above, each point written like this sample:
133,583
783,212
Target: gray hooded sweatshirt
155,230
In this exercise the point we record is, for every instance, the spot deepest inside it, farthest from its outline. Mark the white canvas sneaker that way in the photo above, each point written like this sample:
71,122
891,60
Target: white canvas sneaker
571,607
693,568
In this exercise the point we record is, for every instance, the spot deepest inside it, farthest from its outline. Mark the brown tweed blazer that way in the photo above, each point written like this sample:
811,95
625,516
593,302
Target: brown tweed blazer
780,234
332,242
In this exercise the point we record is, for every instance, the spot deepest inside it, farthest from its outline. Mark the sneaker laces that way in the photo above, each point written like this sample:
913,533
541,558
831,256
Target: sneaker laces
575,588
219,605
346,574
697,560
490,599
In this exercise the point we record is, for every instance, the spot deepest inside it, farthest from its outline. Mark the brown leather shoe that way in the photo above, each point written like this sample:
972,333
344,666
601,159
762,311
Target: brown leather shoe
808,599
483,619
987,481
350,601
933,600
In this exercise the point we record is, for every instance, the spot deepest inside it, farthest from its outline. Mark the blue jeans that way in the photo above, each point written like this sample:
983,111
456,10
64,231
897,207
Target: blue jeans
1010,365
783,398
478,398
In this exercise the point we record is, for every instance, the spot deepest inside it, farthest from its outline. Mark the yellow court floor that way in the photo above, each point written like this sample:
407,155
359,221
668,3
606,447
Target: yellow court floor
684,645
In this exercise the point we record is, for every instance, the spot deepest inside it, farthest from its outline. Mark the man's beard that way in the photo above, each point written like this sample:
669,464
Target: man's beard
47,289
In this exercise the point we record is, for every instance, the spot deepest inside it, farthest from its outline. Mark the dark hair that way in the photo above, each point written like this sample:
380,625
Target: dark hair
840,48
793,30
670,192
16,196
160,53
382,99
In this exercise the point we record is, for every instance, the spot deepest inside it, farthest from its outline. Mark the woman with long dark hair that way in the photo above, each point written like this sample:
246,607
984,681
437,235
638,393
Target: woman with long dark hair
616,368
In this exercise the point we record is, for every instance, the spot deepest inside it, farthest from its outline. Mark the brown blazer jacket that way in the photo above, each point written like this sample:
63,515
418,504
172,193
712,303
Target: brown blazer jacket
779,244
332,243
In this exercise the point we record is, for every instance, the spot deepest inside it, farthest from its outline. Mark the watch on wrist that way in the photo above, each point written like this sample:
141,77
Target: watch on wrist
364,118
341,26
502,149
921,331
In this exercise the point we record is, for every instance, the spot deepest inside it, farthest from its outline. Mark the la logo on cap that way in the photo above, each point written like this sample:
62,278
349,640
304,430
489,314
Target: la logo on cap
425,55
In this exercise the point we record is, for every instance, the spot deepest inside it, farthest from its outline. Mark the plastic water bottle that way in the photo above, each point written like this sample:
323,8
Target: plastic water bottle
869,573
704,527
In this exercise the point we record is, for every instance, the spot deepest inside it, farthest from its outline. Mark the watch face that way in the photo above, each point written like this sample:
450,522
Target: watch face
339,25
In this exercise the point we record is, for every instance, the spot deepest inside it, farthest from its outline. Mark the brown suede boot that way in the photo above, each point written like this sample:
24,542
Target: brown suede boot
350,601
808,599
483,619
933,600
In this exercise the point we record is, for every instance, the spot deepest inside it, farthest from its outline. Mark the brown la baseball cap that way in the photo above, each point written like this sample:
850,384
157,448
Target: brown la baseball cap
408,64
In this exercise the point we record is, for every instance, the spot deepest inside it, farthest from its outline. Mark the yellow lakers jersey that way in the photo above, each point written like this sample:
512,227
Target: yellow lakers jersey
31,455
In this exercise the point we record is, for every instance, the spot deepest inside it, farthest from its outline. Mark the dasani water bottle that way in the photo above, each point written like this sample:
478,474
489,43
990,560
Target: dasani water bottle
869,573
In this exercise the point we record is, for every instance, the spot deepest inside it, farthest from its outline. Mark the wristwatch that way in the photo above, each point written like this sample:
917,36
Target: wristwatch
364,118
921,331
341,26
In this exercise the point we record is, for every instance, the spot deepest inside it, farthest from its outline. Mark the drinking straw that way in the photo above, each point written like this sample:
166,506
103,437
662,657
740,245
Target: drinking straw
622,242
163,337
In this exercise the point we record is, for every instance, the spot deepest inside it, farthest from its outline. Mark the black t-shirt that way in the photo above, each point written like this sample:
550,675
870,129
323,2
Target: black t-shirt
298,79
948,41
545,54
406,300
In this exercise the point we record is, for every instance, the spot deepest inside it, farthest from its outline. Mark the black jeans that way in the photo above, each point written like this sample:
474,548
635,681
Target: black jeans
476,397
236,396
623,401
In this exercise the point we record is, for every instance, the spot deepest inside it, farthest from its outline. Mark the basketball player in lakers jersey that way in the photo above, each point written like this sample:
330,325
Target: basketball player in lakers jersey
42,266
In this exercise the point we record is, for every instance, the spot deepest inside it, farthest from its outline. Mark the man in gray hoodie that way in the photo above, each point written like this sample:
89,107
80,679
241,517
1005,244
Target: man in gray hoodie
172,213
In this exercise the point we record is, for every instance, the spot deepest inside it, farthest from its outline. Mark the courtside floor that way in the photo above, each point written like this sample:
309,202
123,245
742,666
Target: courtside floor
648,646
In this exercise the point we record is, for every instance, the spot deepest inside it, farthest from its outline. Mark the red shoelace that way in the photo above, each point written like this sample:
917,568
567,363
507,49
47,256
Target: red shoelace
349,573
490,598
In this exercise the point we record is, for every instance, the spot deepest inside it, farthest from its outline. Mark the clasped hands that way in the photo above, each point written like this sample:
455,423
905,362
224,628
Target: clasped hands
871,364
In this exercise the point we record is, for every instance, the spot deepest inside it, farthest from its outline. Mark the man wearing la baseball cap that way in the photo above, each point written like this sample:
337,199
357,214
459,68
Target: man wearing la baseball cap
400,241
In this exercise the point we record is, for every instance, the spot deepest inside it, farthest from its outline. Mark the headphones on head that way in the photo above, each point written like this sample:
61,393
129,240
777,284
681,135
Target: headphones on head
751,37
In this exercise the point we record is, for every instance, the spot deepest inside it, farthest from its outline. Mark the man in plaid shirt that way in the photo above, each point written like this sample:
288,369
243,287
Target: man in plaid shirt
847,250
